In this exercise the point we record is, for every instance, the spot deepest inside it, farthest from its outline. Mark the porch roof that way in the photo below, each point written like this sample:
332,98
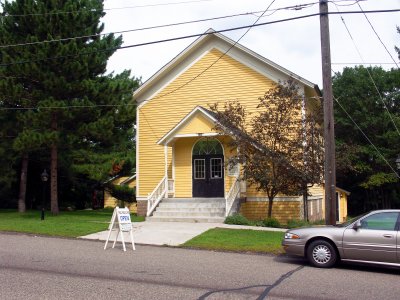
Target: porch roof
174,133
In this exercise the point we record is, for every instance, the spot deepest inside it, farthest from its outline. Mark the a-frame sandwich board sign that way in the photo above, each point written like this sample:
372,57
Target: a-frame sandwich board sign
120,221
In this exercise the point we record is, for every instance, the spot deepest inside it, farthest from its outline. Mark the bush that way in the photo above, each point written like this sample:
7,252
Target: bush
123,193
295,223
271,222
237,219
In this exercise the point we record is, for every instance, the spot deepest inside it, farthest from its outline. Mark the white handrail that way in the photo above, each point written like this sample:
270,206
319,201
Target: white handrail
232,196
158,193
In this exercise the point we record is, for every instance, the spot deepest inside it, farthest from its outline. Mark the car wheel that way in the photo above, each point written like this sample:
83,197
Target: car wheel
321,254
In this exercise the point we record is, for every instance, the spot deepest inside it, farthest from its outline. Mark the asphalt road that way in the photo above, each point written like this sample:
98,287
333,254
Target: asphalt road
54,268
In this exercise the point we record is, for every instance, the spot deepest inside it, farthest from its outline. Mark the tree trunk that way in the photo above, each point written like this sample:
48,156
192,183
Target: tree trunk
305,204
22,184
271,202
53,171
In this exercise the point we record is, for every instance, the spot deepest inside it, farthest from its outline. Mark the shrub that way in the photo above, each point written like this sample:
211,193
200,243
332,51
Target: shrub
294,223
123,193
271,222
237,219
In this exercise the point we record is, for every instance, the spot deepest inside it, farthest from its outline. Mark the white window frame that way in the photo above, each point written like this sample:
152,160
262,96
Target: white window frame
195,170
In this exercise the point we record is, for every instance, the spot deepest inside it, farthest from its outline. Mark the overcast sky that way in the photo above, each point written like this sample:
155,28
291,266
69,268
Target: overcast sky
294,45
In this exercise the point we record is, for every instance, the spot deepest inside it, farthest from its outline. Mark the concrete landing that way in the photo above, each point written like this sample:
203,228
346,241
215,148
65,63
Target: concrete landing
168,233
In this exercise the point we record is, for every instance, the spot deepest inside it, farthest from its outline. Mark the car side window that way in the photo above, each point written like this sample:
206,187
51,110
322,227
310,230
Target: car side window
380,221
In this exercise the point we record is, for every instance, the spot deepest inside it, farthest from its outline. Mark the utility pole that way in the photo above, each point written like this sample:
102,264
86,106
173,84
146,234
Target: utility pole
329,134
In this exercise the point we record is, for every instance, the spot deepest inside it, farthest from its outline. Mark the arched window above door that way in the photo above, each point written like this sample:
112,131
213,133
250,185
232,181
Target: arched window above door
207,146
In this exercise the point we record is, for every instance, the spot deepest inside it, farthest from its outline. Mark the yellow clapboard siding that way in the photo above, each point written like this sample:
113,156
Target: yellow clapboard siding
183,167
343,207
281,210
198,125
220,83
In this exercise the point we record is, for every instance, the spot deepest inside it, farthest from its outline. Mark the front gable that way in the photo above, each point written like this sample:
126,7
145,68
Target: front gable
155,87
199,122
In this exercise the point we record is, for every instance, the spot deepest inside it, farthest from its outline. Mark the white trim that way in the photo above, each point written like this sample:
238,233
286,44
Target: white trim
338,206
195,170
128,179
170,135
166,167
168,77
209,134
222,167
173,165
137,154
222,145
201,47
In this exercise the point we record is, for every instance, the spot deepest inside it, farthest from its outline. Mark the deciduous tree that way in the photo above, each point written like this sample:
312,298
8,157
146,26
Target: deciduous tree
279,147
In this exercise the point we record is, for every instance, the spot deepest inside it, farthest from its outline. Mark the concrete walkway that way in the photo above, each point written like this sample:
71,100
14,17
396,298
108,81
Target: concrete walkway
168,233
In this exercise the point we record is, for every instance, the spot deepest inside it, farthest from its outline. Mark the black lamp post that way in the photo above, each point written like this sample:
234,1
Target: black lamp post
44,176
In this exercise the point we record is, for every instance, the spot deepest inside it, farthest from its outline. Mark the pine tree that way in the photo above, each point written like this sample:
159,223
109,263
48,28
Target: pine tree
69,103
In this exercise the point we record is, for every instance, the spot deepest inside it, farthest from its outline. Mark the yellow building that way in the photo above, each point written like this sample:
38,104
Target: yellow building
179,155
110,201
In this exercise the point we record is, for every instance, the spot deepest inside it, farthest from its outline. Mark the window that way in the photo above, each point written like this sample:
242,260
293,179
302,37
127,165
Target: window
207,146
216,168
380,221
199,169
233,170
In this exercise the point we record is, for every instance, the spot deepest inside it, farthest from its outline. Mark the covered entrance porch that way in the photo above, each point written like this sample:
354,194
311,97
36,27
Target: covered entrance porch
195,172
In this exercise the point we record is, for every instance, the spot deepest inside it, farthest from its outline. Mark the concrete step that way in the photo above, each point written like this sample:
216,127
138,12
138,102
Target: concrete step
186,219
193,214
191,209
191,205
194,200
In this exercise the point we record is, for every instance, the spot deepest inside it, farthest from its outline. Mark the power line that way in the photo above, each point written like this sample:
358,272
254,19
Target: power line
191,36
363,133
370,76
295,7
364,63
354,2
93,10
223,54
67,107
377,35
130,30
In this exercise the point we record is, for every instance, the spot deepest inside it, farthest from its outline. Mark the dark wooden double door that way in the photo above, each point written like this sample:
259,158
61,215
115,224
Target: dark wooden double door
208,175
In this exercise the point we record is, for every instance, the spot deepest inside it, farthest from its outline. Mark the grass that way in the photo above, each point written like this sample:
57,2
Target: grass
66,224
238,240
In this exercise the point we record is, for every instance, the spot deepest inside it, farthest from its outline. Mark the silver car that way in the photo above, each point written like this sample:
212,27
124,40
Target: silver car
373,238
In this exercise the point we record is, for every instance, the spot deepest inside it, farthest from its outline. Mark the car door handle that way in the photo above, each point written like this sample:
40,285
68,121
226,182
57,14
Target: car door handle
388,236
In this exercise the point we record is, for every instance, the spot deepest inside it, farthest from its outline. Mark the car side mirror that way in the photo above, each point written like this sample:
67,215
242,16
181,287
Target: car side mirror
357,225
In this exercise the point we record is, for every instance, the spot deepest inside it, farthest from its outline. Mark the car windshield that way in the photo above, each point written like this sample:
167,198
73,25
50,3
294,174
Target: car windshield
352,220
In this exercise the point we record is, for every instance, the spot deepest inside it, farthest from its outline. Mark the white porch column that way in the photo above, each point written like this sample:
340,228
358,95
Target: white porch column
166,169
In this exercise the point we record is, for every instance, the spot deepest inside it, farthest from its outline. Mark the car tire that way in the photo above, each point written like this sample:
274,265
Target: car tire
322,254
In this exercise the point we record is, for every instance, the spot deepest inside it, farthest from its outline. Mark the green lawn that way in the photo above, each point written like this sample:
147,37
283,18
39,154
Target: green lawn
68,224
238,240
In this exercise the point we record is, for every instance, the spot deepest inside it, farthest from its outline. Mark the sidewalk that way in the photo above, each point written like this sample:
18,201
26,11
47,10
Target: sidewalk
169,233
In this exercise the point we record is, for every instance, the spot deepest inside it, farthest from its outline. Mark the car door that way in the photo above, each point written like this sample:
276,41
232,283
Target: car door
374,240
398,243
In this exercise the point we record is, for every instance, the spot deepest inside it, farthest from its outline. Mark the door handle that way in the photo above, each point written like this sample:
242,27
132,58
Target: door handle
388,236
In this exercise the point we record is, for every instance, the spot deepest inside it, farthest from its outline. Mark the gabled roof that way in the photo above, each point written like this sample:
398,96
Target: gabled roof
170,135
208,41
